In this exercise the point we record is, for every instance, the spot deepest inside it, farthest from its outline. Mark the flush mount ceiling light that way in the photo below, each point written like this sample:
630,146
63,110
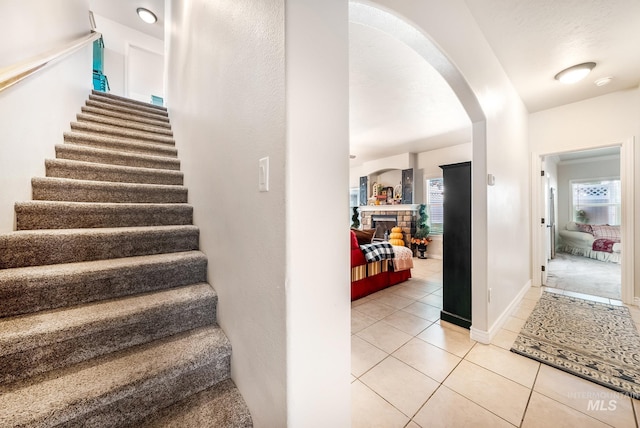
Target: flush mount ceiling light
576,73
146,15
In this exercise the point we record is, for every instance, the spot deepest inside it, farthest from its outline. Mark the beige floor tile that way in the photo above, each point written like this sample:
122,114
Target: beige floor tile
514,324
394,300
375,309
543,412
553,290
438,292
527,303
504,339
360,321
447,409
361,300
423,310
413,425
533,293
369,410
522,313
364,356
428,359
495,393
384,336
515,367
433,300
401,385
407,322
450,340
409,292
584,396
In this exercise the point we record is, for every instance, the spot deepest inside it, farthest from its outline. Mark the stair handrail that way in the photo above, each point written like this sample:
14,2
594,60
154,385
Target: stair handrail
13,74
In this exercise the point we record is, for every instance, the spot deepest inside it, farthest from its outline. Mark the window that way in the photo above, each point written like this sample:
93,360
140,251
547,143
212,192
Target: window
435,197
596,201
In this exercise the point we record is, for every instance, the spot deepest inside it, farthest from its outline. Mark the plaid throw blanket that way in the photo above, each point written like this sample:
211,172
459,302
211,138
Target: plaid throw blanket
377,251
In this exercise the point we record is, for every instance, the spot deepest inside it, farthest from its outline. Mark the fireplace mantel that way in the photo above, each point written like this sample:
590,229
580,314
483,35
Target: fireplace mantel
399,207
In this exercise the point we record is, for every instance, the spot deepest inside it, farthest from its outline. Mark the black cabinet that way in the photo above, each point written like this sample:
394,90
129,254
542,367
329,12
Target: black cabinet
456,250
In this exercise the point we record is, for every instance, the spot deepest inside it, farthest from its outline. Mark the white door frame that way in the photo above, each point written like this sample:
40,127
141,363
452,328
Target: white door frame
538,251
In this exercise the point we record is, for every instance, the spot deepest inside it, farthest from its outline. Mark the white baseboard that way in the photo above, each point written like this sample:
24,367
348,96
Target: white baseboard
486,337
636,301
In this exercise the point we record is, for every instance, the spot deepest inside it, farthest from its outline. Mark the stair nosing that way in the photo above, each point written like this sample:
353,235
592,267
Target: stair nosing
125,368
86,319
88,150
123,116
115,131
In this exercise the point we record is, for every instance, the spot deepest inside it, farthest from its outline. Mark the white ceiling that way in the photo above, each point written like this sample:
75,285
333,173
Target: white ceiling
124,12
399,104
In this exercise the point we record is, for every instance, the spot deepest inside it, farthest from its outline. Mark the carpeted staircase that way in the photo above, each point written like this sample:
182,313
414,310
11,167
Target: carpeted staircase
106,318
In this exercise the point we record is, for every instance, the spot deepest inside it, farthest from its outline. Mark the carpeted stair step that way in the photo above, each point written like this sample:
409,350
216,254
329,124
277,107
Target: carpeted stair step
46,247
44,341
112,157
131,112
124,116
122,388
120,132
77,215
147,108
122,123
219,406
79,170
35,288
119,144
117,98
64,189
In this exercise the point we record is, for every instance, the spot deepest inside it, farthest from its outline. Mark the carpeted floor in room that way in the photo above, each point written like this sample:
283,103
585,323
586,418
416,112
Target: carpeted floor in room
584,275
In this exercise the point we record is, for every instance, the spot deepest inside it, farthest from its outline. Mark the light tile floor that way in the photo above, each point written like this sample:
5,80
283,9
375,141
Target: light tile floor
411,370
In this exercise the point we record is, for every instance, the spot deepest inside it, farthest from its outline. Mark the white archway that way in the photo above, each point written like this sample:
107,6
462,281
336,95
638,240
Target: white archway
388,21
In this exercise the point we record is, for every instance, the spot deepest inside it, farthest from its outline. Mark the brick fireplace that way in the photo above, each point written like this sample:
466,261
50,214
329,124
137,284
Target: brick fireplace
406,217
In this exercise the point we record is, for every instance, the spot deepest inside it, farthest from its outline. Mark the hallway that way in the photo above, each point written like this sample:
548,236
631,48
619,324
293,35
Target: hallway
410,370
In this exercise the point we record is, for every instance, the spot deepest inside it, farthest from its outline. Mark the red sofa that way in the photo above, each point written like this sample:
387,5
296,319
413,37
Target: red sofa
367,278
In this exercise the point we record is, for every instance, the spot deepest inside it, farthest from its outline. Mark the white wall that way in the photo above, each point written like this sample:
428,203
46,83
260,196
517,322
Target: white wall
231,103
125,49
318,298
501,236
35,112
607,120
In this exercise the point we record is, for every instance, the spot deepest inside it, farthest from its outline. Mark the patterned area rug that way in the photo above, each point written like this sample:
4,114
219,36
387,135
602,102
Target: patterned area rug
596,341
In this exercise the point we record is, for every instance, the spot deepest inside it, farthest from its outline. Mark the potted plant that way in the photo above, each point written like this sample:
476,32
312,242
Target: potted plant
421,237
355,219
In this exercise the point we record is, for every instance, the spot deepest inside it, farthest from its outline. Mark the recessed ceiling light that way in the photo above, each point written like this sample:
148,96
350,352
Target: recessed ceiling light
576,73
603,81
146,15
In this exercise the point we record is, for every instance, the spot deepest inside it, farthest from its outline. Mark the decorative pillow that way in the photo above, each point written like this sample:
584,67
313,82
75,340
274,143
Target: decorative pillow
354,241
572,225
601,231
583,227
364,236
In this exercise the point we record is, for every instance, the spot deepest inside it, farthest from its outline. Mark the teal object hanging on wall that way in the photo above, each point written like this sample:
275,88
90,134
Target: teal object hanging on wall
100,81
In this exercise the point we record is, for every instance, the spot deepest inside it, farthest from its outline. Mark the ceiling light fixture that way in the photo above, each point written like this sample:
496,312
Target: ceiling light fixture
146,15
576,73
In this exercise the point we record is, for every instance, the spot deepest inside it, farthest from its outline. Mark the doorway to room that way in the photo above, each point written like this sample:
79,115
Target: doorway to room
583,205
